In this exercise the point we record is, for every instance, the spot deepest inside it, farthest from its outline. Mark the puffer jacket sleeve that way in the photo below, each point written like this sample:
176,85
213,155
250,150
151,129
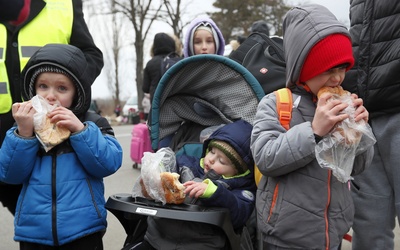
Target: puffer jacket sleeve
17,157
100,154
277,151
146,80
239,201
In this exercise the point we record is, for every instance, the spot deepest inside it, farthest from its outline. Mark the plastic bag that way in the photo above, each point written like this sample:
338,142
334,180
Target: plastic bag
338,149
148,184
42,107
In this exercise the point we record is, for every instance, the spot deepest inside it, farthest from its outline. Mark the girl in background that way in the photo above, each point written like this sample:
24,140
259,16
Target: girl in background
203,37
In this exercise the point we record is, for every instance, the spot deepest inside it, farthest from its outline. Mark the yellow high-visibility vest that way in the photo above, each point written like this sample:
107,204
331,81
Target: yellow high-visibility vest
52,25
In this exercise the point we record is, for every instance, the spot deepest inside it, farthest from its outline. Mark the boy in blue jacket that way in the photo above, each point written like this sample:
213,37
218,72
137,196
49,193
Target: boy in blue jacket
222,177
62,199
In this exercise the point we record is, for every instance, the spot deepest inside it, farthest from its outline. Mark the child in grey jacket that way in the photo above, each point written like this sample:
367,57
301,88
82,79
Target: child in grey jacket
299,204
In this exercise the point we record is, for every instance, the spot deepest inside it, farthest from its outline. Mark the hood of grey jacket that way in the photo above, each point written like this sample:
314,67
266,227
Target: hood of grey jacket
303,27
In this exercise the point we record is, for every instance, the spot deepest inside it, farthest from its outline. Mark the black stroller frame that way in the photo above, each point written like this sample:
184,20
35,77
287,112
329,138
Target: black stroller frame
134,211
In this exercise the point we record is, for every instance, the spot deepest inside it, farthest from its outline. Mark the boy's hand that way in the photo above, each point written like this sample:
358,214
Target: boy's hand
64,117
327,114
23,115
195,189
361,112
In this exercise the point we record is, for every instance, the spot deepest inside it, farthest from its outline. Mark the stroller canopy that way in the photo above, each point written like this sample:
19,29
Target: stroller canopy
206,90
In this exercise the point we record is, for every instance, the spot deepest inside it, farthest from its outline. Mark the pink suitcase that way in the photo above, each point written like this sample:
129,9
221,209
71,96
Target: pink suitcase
140,143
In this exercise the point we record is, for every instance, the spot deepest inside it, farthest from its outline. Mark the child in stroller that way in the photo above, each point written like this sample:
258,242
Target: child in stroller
222,178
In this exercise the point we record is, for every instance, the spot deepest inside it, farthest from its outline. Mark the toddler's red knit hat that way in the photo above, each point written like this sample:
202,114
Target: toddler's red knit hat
331,51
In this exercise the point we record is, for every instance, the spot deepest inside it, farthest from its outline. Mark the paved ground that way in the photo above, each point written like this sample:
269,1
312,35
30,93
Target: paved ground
120,182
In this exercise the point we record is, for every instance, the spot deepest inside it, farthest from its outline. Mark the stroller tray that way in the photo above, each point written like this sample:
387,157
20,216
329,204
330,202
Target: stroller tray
143,207
126,208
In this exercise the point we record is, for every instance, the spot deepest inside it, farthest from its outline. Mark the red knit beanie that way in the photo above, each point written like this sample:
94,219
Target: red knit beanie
332,51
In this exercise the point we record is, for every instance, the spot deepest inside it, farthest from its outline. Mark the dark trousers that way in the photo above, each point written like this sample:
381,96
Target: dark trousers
90,242
9,196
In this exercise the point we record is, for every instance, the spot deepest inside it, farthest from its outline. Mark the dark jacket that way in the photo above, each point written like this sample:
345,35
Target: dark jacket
260,26
374,29
62,197
80,37
163,44
230,192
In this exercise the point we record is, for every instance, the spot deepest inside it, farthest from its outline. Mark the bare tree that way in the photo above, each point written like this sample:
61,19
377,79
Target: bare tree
174,10
236,17
142,15
117,34
112,38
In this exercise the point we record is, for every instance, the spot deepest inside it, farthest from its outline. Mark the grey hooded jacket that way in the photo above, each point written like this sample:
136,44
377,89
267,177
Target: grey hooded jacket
299,204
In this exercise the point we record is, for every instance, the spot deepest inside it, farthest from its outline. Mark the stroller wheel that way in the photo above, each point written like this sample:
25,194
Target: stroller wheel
135,165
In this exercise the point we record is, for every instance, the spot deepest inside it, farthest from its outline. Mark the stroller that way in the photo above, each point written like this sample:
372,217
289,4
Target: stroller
196,93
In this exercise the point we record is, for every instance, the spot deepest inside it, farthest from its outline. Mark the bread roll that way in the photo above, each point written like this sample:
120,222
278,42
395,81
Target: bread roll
351,136
338,91
173,188
51,135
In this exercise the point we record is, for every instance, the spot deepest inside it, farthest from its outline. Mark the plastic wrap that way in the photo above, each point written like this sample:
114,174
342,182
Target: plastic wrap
148,184
42,107
338,149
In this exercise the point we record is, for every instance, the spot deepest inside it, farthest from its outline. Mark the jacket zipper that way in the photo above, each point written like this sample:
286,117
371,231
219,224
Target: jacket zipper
274,199
326,211
54,199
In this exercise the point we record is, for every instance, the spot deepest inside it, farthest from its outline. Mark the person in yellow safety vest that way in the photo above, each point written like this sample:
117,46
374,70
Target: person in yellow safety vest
49,21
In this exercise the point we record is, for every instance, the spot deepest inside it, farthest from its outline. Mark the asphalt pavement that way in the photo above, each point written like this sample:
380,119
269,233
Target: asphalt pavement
120,182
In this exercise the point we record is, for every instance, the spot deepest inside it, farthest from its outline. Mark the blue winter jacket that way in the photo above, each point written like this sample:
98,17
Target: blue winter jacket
62,198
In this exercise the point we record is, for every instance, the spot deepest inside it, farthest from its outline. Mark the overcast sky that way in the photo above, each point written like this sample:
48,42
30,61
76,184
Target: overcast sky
340,8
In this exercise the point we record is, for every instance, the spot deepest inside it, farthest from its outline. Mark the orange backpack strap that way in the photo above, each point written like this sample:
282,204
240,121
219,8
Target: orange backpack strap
284,105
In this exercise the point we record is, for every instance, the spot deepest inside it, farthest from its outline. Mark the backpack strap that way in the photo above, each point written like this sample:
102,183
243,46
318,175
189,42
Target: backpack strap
284,105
